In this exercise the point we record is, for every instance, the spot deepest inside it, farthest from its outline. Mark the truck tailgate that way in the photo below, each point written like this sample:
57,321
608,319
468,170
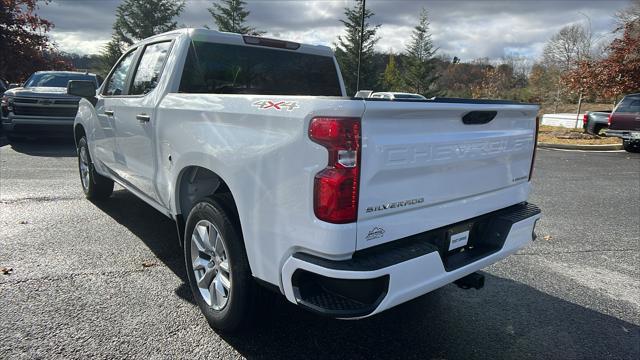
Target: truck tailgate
422,167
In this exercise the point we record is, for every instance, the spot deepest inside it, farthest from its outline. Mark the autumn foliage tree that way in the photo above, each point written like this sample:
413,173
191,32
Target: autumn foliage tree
616,74
24,43
391,78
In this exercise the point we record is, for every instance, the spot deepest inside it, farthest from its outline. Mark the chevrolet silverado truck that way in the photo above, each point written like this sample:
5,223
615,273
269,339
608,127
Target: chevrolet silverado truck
42,106
276,179
624,122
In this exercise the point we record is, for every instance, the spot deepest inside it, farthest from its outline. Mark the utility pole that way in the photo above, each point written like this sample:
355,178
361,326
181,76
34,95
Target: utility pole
578,112
360,46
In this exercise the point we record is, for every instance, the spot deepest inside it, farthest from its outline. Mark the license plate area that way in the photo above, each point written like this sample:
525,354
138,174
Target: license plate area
468,241
458,237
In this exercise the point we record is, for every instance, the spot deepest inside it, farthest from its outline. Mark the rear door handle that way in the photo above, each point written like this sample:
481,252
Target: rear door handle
143,117
108,112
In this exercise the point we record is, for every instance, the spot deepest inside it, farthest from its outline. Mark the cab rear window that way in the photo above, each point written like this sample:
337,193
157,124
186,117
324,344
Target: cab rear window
232,69
629,105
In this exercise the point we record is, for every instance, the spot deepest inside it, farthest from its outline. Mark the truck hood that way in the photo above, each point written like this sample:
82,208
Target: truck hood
49,92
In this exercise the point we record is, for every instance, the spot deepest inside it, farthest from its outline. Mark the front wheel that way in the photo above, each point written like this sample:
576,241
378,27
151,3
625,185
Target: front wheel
632,146
94,185
217,266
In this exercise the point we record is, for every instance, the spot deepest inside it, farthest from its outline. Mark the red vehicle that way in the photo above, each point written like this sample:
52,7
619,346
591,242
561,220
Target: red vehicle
624,122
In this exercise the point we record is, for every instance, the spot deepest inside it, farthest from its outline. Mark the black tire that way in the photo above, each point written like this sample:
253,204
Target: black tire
631,146
597,129
96,186
240,301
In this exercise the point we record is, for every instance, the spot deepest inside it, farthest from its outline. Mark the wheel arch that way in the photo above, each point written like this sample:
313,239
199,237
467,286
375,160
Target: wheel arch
195,182
78,132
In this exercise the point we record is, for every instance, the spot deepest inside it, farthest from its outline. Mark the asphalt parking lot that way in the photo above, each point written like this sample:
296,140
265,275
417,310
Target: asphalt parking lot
107,280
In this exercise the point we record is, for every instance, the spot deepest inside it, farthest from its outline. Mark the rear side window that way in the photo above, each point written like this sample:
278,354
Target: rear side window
150,68
118,79
232,69
629,105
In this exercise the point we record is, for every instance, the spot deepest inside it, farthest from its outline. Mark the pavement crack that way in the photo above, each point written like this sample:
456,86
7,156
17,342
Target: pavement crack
38,199
78,275
572,252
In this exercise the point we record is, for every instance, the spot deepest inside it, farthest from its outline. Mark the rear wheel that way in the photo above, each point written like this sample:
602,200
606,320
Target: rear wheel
632,146
597,129
94,185
217,266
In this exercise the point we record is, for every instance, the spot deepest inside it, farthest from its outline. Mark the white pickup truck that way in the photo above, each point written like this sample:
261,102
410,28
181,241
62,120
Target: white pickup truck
277,179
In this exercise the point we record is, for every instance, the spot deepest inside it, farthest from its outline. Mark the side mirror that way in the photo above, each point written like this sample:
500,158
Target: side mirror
82,88
13,85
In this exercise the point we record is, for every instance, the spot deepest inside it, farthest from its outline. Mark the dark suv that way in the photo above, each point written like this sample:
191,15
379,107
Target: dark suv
42,106
624,122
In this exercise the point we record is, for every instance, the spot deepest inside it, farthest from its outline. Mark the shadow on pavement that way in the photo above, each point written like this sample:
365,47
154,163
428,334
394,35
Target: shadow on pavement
157,231
53,147
505,320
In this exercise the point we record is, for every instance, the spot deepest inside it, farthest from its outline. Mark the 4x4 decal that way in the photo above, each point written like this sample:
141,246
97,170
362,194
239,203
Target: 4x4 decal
276,105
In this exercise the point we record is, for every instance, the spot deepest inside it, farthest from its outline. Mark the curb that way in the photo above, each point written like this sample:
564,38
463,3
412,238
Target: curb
606,147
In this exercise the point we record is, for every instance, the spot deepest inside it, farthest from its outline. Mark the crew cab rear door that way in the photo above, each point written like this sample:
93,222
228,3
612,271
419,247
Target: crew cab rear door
135,131
429,164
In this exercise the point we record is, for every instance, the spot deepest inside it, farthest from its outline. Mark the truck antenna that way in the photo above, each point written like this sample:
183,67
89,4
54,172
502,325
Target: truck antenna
360,45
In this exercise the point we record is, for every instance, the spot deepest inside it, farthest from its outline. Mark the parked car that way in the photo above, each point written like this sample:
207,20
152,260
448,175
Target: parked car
593,122
276,178
363,93
624,122
42,106
396,96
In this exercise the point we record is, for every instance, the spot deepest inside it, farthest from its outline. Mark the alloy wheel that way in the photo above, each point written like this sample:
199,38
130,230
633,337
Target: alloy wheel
84,167
210,264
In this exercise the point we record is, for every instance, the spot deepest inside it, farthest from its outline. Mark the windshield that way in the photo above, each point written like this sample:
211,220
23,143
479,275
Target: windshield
55,79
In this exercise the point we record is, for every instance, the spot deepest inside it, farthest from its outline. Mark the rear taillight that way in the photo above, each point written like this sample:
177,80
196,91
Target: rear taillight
535,146
609,119
585,119
336,186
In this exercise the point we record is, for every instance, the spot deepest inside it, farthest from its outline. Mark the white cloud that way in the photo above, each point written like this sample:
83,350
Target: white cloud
78,42
467,29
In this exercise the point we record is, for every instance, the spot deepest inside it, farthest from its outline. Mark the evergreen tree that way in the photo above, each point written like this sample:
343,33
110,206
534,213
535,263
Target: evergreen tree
110,53
421,75
348,46
140,19
137,20
230,16
391,79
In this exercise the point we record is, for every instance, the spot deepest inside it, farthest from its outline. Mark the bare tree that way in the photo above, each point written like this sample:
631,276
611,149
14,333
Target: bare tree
569,46
565,50
629,16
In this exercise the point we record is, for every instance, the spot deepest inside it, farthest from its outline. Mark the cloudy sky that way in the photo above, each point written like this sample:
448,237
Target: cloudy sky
467,29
